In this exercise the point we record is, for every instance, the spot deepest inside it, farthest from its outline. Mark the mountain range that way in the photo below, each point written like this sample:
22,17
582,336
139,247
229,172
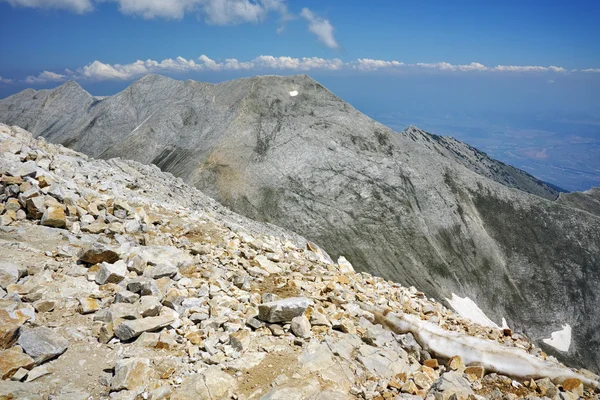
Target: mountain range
409,206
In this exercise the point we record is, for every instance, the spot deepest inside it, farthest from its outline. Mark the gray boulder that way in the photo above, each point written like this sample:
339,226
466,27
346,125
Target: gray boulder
451,384
130,329
42,344
10,273
283,310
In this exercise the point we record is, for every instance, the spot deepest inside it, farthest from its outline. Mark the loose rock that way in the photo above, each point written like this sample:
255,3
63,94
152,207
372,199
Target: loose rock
98,253
131,374
111,273
12,360
42,343
283,310
301,327
54,217
133,328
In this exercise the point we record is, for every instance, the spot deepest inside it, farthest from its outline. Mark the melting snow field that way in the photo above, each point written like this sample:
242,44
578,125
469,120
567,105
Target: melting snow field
493,356
294,93
560,340
471,311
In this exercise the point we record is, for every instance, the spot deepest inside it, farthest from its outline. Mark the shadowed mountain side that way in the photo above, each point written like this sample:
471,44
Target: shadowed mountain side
409,206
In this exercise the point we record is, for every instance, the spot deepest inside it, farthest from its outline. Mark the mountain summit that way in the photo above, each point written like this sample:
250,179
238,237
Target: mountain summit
409,206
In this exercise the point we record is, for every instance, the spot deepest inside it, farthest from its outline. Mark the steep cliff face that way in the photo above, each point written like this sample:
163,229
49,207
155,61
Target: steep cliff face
410,206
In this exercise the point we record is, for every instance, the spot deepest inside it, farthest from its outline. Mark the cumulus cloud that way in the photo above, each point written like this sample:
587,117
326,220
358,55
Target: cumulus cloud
303,64
46,76
171,9
99,70
77,6
223,12
444,66
596,70
217,12
5,80
321,27
367,64
528,68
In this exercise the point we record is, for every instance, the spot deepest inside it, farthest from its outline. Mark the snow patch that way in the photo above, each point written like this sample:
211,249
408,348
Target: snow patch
294,93
560,340
493,356
471,311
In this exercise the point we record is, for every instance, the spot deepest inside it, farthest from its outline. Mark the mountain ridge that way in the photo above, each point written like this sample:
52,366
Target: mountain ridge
402,206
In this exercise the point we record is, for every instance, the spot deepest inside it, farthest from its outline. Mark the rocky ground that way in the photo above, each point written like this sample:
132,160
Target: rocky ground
117,281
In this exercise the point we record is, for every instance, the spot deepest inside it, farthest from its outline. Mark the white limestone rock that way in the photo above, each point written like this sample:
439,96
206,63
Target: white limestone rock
283,310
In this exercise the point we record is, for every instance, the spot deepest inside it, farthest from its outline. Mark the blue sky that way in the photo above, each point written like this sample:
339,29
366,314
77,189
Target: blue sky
472,69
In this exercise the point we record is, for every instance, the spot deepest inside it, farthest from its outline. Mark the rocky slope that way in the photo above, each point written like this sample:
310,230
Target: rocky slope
118,281
588,201
411,207
479,162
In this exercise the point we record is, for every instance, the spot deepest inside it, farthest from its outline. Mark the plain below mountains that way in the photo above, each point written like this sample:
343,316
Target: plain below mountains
410,206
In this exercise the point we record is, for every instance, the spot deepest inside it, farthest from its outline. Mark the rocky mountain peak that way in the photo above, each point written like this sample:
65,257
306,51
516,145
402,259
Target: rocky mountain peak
71,85
415,208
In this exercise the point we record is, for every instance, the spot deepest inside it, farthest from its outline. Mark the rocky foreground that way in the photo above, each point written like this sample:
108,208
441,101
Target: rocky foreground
118,281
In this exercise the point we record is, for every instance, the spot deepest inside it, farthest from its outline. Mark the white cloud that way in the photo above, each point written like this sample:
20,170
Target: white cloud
472,67
217,12
168,9
304,64
231,64
597,70
528,68
101,71
444,66
321,27
46,76
98,70
77,6
5,80
224,12
367,64
556,69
